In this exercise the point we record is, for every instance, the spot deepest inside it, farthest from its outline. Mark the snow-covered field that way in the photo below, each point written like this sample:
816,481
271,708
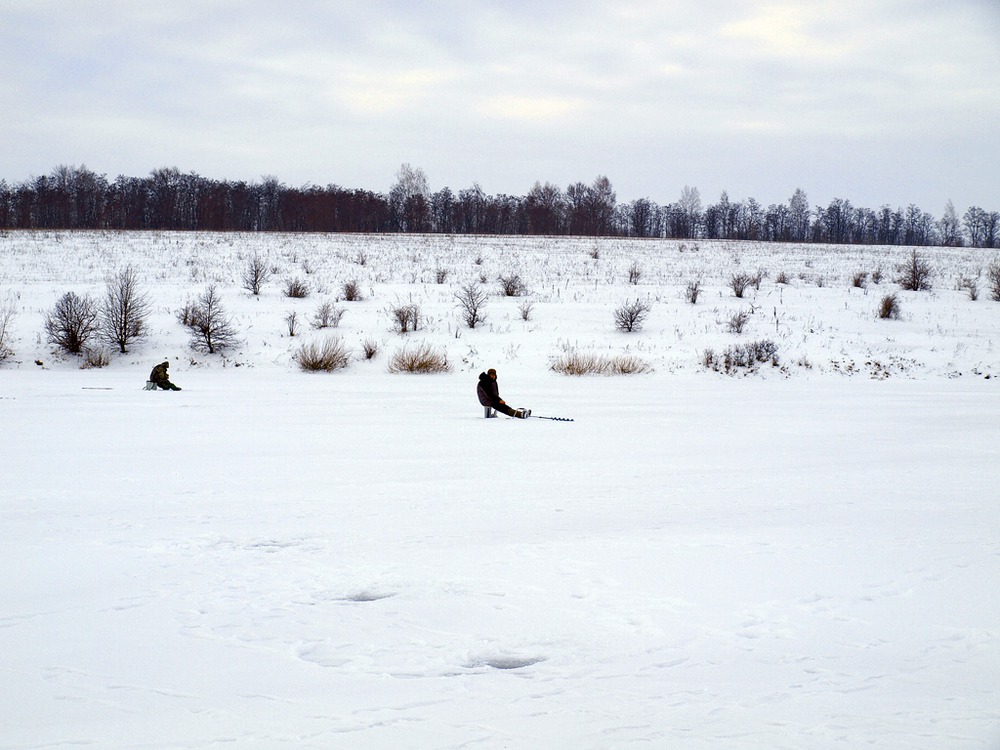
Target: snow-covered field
803,557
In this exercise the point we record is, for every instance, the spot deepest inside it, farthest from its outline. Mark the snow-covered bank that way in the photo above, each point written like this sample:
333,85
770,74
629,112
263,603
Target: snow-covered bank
270,559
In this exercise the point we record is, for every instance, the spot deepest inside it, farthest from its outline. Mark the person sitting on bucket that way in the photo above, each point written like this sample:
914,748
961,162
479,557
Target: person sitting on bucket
159,377
489,396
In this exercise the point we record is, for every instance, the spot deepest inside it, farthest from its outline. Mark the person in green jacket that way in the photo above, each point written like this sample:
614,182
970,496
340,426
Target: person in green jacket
160,378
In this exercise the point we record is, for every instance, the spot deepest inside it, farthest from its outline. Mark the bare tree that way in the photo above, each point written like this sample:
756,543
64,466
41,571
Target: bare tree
631,315
211,329
72,322
471,301
915,274
255,274
125,309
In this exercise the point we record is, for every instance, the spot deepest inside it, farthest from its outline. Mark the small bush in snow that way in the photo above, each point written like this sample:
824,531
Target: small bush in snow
329,356
738,321
95,358
781,278
211,329
72,322
634,273
888,308
993,279
440,275
7,313
692,292
631,315
512,285
423,358
859,280
292,321
971,285
915,274
255,274
742,357
352,292
525,309
296,288
471,301
327,315
369,347
405,317
739,283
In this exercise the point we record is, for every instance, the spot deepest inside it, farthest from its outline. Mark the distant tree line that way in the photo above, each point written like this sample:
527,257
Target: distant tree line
77,198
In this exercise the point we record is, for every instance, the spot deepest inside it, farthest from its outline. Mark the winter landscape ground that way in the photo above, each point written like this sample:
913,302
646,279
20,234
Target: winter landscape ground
804,555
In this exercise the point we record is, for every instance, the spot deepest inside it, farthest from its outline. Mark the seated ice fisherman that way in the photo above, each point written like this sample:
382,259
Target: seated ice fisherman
489,396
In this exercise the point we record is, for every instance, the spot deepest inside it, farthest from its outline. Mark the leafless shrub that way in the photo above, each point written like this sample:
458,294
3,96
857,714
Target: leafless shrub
211,329
296,288
405,317
422,358
737,322
889,308
634,273
352,291
738,283
693,291
577,363
369,348
915,274
993,279
595,252
125,310
859,280
292,321
471,301
756,279
329,356
327,315
630,316
971,285
877,275
525,308
440,275
95,358
8,312
511,285
361,258
742,357
72,322
781,278
255,274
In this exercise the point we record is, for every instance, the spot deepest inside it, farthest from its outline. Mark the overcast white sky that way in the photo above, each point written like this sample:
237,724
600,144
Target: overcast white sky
876,101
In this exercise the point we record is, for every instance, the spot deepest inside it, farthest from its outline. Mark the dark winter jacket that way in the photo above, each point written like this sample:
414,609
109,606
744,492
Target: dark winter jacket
488,391
159,374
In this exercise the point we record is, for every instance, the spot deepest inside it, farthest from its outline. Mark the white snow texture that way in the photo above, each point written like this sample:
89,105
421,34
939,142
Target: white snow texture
804,555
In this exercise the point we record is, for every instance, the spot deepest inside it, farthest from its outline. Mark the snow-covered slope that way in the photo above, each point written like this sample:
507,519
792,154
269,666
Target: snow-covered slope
803,558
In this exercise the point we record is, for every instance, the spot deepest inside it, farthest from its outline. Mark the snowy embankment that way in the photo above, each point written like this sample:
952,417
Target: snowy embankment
270,559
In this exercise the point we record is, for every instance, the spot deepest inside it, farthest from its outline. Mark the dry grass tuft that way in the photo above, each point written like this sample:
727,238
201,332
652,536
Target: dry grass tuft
329,356
422,358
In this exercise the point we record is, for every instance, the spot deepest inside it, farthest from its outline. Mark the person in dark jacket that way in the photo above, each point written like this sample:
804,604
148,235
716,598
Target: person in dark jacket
489,396
160,378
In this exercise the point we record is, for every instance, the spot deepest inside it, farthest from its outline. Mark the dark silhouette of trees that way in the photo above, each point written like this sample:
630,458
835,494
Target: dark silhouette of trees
71,197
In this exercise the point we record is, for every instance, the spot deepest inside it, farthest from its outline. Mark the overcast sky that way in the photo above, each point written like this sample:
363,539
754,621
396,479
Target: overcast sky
875,101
